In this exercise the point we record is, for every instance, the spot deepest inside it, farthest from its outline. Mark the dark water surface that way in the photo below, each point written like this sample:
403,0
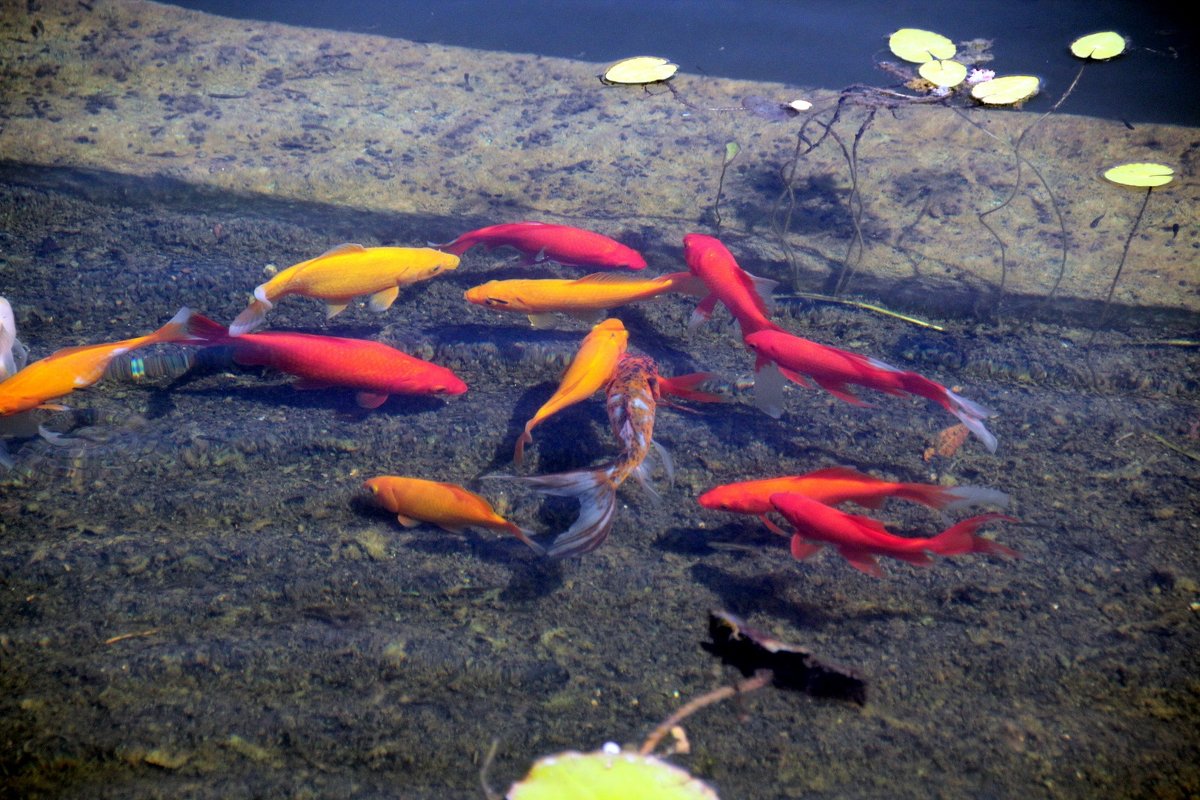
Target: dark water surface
824,44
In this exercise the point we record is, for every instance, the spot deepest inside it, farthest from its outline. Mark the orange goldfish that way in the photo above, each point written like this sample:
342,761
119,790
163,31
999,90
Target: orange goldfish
586,297
747,297
12,352
836,485
541,241
588,372
860,539
71,368
782,354
447,505
344,273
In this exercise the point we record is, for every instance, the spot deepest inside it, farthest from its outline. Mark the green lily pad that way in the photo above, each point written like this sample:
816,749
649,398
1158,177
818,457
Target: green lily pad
1099,46
639,69
1006,91
608,776
1140,175
918,46
943,73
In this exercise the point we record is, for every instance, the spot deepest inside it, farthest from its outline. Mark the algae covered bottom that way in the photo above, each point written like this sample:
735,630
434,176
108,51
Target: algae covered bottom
199,597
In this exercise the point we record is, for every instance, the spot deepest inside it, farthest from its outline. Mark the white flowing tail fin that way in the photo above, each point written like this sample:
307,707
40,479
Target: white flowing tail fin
968,496
597,501
768,388
972,415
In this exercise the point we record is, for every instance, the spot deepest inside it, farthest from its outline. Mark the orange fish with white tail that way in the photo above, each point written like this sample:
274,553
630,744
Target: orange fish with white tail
543,241
447,505
785,355
860,539
344,273
835,485
71,368
588,372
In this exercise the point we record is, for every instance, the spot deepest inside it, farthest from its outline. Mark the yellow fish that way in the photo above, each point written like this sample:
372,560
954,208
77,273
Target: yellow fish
586,297
447,505
588,372
344,273
71,368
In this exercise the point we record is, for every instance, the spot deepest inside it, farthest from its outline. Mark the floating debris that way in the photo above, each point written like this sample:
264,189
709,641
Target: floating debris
639,70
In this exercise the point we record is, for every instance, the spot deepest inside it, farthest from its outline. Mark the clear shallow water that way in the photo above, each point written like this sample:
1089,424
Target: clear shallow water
812,44
199,600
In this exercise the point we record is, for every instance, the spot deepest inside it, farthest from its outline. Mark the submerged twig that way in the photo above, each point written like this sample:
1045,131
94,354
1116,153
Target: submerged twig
761,679
824,298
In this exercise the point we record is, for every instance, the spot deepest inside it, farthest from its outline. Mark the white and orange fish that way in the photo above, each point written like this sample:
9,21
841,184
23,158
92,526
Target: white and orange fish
71,368
588,372
447,505
344,273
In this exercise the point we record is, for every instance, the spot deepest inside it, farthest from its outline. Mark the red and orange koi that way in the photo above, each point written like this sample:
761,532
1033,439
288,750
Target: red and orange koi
860,539
835,485
588,372
71,368
373,368
446,505
344,273
747,297
798,359
586,297
543,241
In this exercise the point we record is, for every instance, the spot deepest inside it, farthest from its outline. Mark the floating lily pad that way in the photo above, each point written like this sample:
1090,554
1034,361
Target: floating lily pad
1140,175
918,46
608,776
943,73
1005,91
639,69
1099,46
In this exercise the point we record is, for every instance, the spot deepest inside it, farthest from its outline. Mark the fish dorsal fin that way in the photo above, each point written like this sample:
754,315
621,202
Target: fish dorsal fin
611,277
341,250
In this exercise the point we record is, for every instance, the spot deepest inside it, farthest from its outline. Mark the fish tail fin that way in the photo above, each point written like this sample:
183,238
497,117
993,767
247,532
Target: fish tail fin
456,247
951,498
597,498
972,415
526,537
519,451
768,387
206,330
960,538
685,386
251,317
176,329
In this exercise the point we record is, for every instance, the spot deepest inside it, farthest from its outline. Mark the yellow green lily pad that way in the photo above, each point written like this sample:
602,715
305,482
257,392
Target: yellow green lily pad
1140,175
943,73
918,46
1099,46
1006,91
639,69
608,776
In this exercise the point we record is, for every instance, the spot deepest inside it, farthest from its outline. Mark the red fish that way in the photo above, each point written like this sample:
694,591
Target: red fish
860,539
835,485
374,369
831,368
543,241
748,298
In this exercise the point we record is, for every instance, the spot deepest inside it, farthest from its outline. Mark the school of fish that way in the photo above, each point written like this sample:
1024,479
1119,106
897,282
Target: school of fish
632,386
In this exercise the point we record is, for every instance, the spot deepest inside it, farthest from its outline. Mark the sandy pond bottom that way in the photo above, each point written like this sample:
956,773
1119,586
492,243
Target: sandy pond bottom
199,601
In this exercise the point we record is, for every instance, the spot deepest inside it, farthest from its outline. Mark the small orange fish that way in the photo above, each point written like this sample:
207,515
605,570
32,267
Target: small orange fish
71,368
344,273
587,373
585,298
447,505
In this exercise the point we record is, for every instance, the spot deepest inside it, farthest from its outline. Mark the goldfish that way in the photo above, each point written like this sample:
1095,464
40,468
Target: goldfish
588,372
447,505
373,368
344,273
631,399
782,354
835,485
542,241
71,368
585,297
12,353
747,297
860,539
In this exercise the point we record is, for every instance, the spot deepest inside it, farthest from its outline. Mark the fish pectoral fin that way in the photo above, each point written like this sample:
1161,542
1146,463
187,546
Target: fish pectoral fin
840,391
382,300
542,321
333,309
771,526
370,399
407,522
802,549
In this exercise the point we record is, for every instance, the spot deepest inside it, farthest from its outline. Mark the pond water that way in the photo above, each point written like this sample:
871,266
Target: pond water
200,598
